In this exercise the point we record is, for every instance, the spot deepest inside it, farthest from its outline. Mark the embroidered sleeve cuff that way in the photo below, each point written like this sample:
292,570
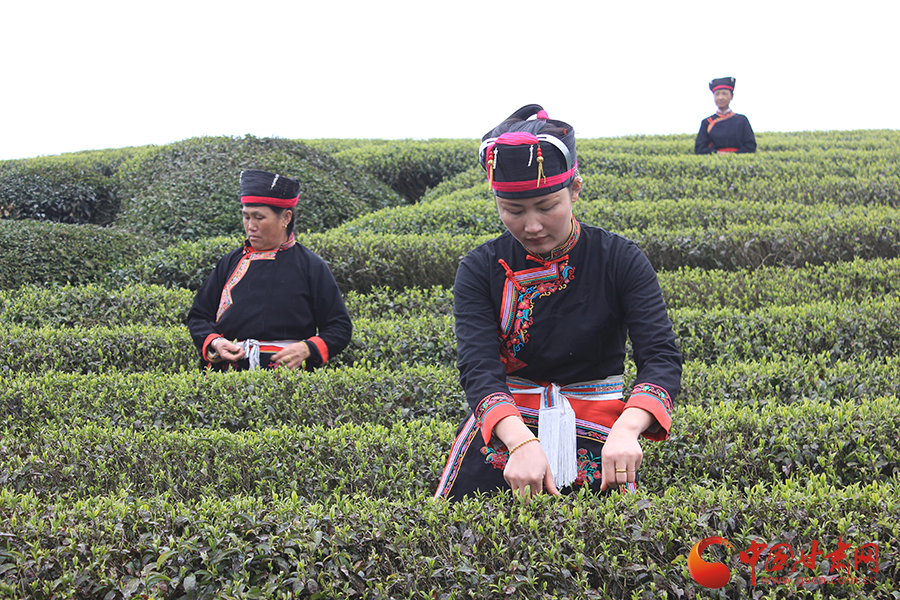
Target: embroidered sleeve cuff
319,343
658,403
204,352
491,410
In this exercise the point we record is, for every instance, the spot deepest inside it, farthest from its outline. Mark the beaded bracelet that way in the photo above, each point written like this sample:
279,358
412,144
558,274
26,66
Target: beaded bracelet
520,444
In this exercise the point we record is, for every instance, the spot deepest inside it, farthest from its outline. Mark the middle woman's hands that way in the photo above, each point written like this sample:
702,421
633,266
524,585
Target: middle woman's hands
622,453
527,471
292,356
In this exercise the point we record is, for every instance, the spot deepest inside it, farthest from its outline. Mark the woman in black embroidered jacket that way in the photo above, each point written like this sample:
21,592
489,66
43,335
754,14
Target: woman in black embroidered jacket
542,315
272,301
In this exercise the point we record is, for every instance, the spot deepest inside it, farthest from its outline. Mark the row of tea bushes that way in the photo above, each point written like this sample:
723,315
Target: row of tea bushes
359,262
76,187
717,215
54,254
733,168
835,190
404,545
313,462
840,330
860,141
750,289
60,254
848,443
94,305
410,167
363,260
742,290
240,400
843,329
829,189
368,393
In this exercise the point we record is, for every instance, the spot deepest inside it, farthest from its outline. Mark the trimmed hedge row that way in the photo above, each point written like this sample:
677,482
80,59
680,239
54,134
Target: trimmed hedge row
234,401
479,217
604,187
767,142
732,168
815,242
833,189
95,305
153,305
55,254
410,167
61,195
69,188
750,289
359,263
389,342
315,462
363,261
489,548
840,329
251,401
848,443
190,189
743,290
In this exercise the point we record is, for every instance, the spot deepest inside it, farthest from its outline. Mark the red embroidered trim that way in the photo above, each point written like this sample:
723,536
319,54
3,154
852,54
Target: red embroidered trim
522,186
656,391
320,346
279,202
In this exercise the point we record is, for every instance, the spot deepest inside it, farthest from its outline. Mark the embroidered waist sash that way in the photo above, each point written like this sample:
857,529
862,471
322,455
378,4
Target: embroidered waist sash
559,407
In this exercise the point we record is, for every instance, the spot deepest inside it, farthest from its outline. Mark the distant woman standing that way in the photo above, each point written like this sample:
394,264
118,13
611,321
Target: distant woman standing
725,131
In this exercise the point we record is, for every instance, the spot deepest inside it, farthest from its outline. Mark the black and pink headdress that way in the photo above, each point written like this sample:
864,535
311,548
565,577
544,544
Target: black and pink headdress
722,83
272,189
526,157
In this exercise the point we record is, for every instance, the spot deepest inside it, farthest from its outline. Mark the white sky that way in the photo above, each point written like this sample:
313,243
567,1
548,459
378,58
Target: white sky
93,74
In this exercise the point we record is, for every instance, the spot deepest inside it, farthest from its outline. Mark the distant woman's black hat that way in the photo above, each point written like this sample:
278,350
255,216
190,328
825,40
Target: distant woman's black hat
526,157
261,187
722,83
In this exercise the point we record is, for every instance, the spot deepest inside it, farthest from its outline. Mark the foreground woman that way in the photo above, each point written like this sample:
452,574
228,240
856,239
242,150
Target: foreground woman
271,302
542,315
725,131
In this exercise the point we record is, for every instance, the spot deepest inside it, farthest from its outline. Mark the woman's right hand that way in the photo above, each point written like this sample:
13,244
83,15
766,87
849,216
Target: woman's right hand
228,350
527,471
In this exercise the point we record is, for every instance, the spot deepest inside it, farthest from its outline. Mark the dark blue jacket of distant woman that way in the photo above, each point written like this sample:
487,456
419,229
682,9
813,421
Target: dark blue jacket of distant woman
725,133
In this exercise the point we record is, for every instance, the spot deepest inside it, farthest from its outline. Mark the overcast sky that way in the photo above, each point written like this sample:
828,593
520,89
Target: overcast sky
108,74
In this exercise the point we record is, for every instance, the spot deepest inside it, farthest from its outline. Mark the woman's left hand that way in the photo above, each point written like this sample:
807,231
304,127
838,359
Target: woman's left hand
622,453
292,356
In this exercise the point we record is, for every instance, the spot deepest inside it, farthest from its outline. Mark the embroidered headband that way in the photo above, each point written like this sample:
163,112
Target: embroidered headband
527,157
261,187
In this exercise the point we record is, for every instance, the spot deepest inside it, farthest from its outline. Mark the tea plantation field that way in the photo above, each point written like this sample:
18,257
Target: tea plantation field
125,472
